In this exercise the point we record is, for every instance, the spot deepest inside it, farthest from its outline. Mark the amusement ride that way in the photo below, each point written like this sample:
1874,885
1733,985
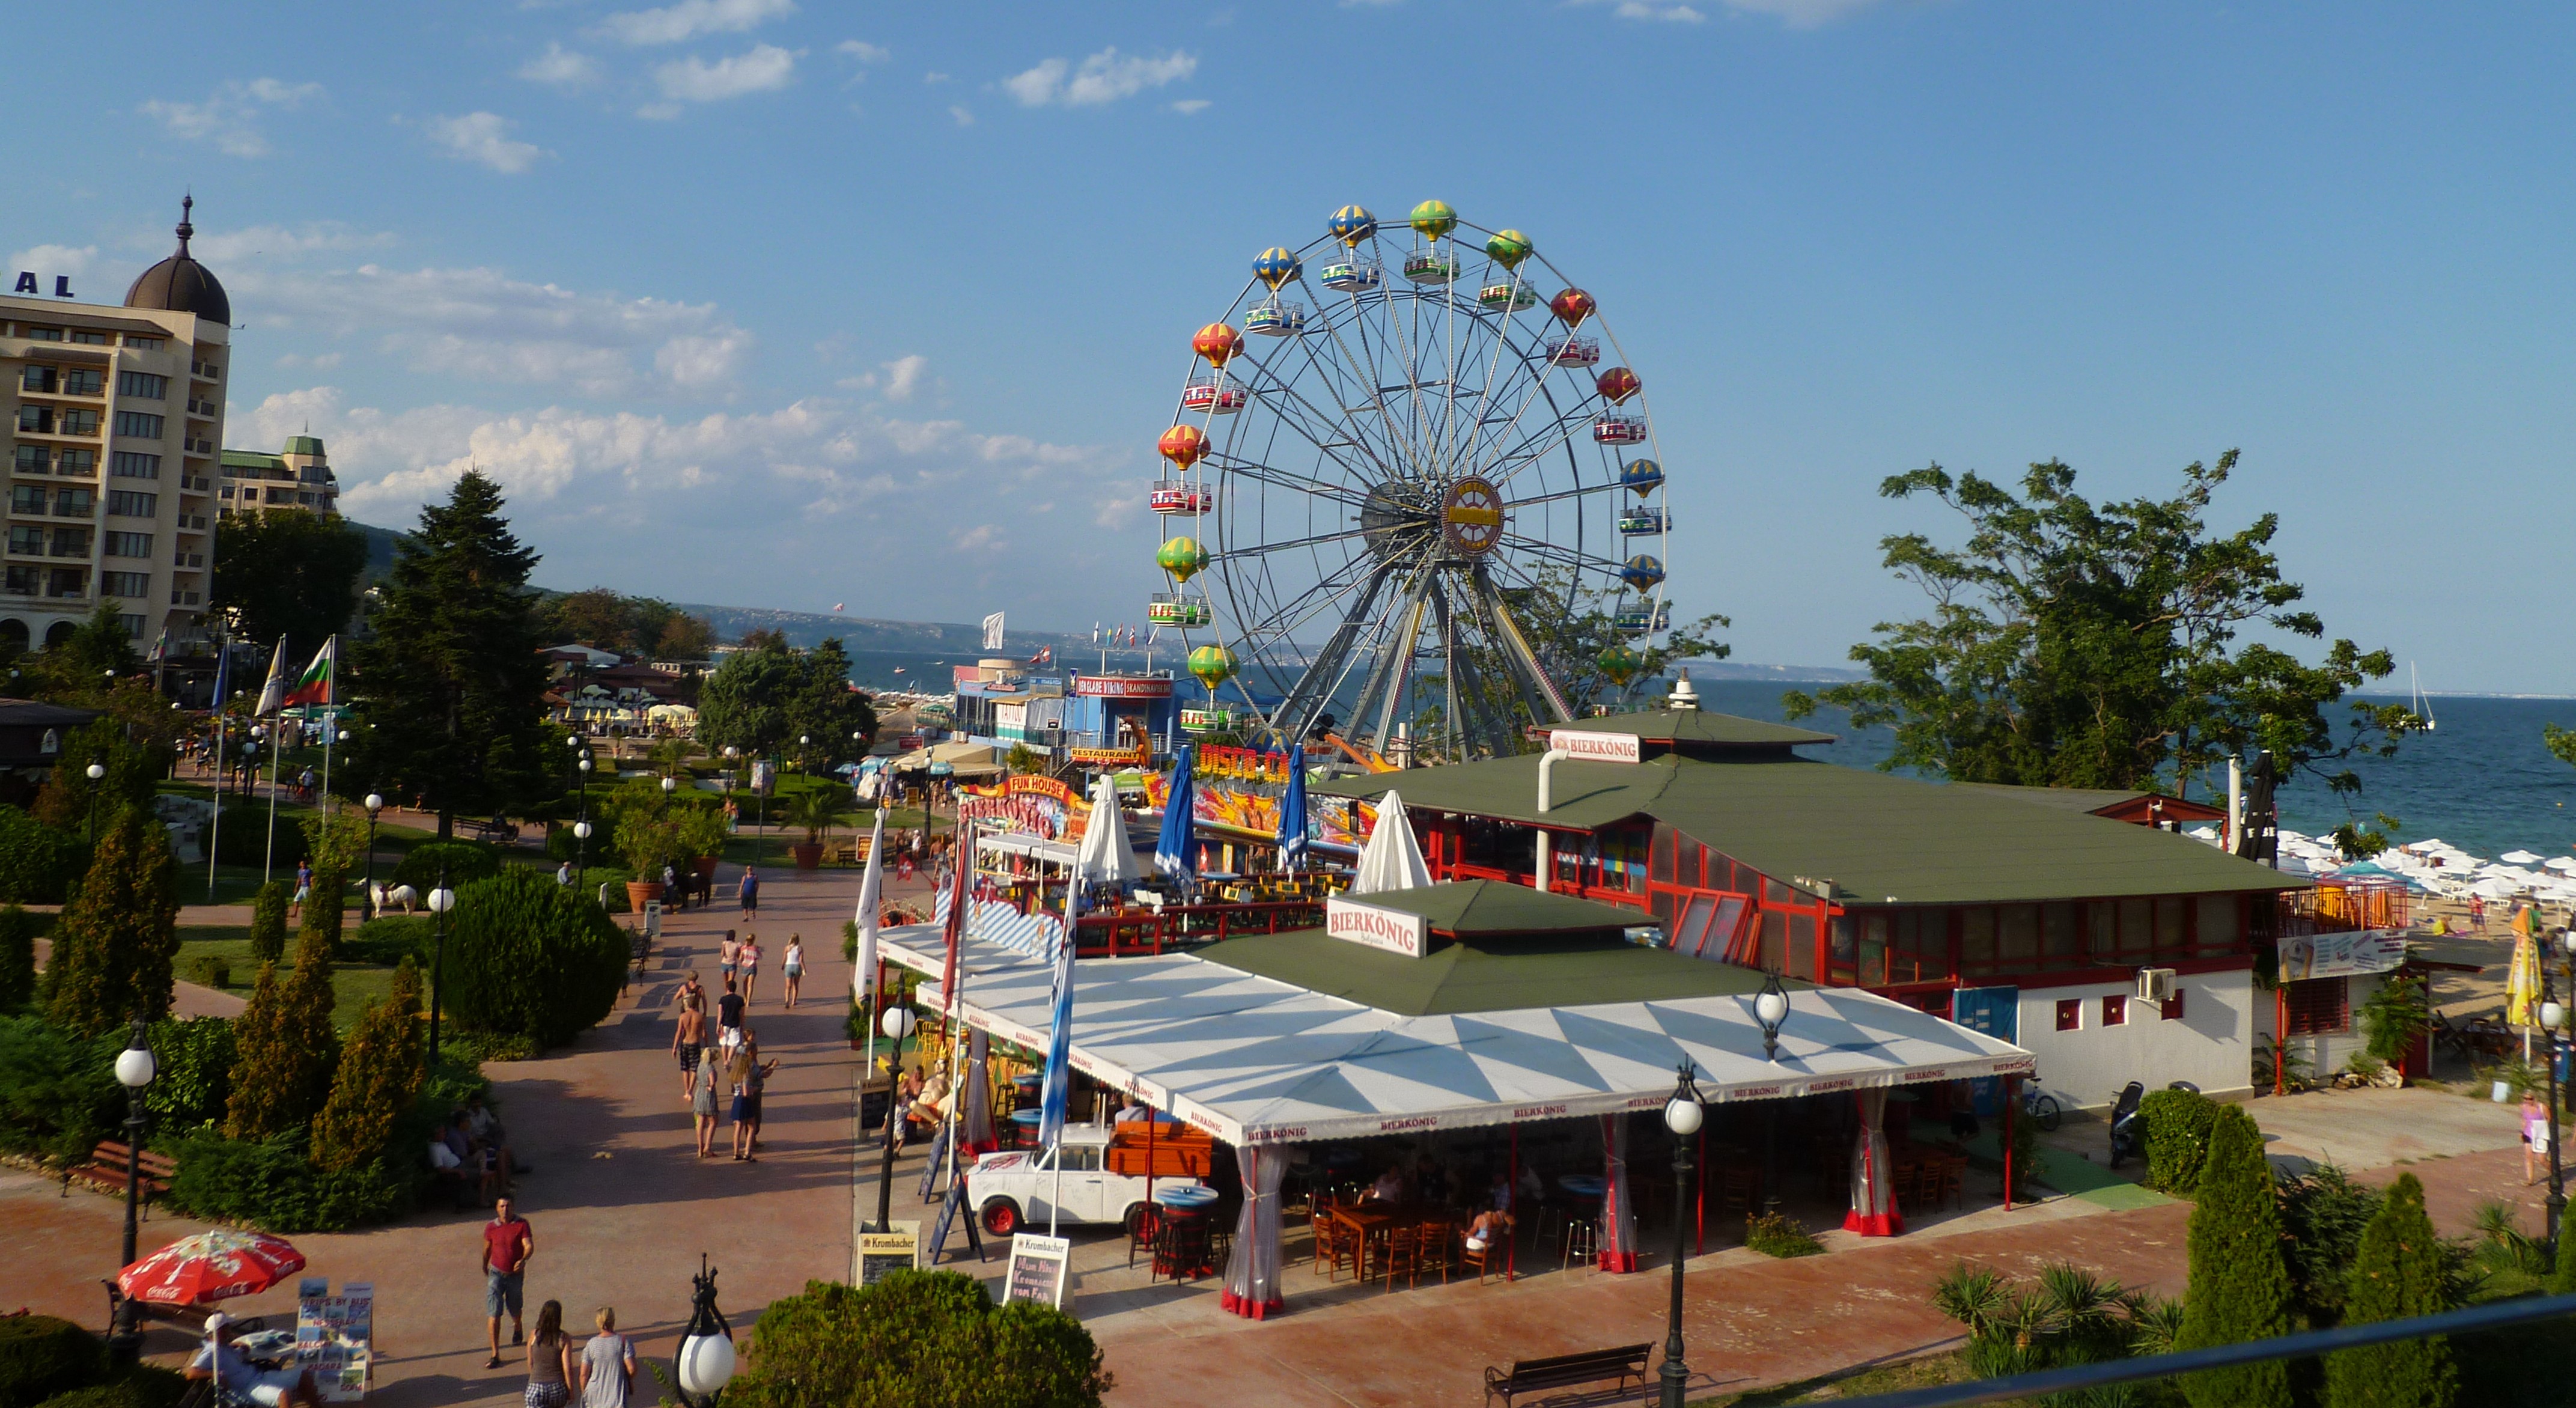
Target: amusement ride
1393,449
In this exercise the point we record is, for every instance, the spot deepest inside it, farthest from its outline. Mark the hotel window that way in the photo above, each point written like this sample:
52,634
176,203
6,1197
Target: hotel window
71,542
26,498
35,420
144,385
80,423
140,424
126,503
126,586
128,545
40,379
2317,1006
130,464
73,503
94,339
27,539
2115,1009
25,581
2070,1014
42,334
133,623
84,381
224,492
141,343
2018,935
2222,925
79,464
32,459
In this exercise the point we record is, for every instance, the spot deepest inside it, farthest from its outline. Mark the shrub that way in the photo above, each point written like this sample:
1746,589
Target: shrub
196,1057
41,1356
930,1337
380,1073
466,862
2070,1317
38,863
2393,1017
526,958
2239,1288
614,878
115,942
1777,1234
324,906
268,921
2323,1213
2177,1124
2562,1277
2398,1274
19,931
288,1047
392,939
140,1386
273,1185
56,1098
210,970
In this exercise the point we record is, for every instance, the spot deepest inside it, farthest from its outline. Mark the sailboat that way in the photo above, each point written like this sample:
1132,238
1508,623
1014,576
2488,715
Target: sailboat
2418,705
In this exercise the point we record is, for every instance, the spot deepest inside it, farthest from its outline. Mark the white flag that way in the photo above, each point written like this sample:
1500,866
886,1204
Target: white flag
993,631
871,891
272,695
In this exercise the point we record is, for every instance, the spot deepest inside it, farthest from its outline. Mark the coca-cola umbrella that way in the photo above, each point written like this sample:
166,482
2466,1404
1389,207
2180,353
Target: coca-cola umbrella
211,1266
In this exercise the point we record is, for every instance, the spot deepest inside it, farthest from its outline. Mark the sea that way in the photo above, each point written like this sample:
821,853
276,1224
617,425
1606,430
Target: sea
2480,780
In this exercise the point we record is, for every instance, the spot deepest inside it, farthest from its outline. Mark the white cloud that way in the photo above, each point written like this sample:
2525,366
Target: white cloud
862,51
227,247
1190,106
903,376
688,19
1103,78
965,116
481,325
934,77
52,259
696,81
561,67
229,117
483,138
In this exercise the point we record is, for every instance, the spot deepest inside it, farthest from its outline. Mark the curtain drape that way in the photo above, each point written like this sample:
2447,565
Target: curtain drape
1252,1270
1873,1191
1618,1249
978,1135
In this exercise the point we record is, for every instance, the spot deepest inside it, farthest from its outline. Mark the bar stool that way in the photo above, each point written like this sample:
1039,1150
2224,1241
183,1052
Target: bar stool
1579,1242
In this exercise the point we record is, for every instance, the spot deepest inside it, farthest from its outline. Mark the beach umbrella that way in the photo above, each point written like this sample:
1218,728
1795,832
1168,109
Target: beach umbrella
1392,859
1105,857
2519,858
1292,813
1172,849
2522,982
2494,887
2562,864
211,1266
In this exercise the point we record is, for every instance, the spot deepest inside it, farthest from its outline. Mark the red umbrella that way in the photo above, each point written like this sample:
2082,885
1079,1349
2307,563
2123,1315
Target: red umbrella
211,1266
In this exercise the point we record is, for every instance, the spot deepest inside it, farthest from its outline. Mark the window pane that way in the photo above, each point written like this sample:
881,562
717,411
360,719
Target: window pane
2060,944
2019,940
2222,923
2137,928
1977,938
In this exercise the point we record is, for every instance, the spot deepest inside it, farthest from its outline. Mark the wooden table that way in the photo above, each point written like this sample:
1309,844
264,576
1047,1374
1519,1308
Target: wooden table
1377,1222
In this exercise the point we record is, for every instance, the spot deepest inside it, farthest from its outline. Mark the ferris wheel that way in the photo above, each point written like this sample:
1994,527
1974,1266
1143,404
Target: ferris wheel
1395,450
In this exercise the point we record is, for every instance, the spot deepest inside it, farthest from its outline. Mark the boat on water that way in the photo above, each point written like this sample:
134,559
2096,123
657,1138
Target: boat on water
2416,703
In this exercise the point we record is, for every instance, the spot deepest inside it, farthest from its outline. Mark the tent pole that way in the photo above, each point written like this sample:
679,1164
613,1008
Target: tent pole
1512,1248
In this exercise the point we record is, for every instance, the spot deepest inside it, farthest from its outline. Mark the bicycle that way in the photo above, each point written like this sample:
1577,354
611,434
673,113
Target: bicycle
2040,1105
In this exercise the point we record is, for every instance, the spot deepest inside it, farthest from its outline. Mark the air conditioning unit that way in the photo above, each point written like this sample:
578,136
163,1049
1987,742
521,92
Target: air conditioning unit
2155,984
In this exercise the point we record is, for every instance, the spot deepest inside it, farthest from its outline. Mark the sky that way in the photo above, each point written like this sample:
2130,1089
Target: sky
769,304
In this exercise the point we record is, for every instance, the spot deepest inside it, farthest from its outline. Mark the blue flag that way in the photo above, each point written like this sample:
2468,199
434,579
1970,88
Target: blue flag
1292,812
1058,1091
1172,849
223,674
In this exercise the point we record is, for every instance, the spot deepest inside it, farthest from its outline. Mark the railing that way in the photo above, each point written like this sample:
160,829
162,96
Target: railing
1136,933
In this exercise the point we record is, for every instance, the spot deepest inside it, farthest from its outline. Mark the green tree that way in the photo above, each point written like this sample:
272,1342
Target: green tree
18,931
2398,1275
380,1073
287,1046
116,940
762,700
450,690
325,907
2239,1287
929,1338
2076,645
268,921
2562,1274
132,775
288,573
528,957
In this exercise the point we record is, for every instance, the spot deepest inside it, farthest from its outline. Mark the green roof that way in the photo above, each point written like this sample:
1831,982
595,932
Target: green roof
302,445
2075,799
1494,907
250,459
1488,974
1879,838
1687,726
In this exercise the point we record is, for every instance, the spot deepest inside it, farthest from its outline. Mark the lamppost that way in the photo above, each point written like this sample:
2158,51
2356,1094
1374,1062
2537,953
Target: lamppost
706,1348
1771,1008
581,828
441,900
804,752
581,839
1682,1116
135,1069
375,803
96,771
897,1023
2553,1017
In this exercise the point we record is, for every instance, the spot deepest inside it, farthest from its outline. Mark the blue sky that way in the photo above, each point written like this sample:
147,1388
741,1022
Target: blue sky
771,304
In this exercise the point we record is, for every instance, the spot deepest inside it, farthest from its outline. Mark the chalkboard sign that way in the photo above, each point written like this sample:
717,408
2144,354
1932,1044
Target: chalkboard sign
948,1217
1037,1269
895,1249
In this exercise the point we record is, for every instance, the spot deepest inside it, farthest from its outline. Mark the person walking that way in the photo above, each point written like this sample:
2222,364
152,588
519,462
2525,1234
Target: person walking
607,1365
688,1038
748,960
749,890
303,889
728,957
749,1076
551,1366
792,967
508,1242
729,1010
2535,1138
702,1101
671,887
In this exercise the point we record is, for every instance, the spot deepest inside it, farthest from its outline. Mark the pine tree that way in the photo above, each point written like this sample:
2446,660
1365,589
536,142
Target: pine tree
117,938
2398,1274
2240,1285
18,930
255,1108
325,906
268,921
2562,1277
380,1074
287,1044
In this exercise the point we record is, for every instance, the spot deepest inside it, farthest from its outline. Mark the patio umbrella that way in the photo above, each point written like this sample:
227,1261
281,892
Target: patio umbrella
2522,982
1172,849
1105,857
2519,858
211,1266
2561,864
1292,813
1392,859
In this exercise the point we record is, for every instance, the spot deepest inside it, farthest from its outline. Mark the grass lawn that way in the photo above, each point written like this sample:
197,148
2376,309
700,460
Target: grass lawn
353,985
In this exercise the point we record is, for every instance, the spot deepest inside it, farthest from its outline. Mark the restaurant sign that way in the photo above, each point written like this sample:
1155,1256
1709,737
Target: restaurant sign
1585,746
2346,955
1122,686
1390,929
1037,1269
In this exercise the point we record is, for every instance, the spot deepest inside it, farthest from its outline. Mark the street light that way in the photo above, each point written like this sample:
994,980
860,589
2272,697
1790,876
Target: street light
897,1023
375,803
706,1348
96,771
669,785
2553,1019
441,900
1682,1115
135,1069
581,835
1771,1008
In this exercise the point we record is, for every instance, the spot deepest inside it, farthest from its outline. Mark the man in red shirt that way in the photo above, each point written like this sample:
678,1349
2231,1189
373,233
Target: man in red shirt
507,1245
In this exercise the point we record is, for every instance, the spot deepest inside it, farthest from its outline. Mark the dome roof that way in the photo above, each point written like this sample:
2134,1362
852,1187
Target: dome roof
180,284
302,445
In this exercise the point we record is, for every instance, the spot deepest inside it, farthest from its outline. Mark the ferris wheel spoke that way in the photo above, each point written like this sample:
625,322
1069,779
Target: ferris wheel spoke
1291,480
1605,486
1359,373
1561,554
1292,408
1540,445
1393,668
1538,693
1289,545
1328,667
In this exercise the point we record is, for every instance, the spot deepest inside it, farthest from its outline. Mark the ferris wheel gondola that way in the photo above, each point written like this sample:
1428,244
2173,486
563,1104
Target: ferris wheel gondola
1370,500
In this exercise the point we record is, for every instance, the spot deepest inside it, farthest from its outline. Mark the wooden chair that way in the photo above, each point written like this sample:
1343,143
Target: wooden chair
1954,1179
1336,1245
1436,1246
1739,1187
1400,1250
1482,1258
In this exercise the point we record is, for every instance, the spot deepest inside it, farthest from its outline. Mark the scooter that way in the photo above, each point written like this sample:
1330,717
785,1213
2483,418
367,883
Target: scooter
2127,1135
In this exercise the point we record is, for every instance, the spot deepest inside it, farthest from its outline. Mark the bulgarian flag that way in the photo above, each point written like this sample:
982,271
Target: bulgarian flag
315,687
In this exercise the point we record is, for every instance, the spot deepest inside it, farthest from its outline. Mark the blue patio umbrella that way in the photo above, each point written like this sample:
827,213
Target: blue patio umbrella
1173,849
1292,812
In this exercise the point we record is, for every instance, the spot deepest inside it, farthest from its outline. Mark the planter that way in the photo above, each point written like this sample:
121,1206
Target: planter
642,892
706,866
808,857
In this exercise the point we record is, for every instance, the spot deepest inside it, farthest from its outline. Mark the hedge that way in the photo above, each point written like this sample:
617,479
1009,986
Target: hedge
2178,1123
41,1356
141,1386
272,1184
527,957
466,862
56,1093
19,931
38,863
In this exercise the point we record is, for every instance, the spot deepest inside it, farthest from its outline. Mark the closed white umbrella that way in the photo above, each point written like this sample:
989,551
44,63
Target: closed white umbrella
1392,859
1106,858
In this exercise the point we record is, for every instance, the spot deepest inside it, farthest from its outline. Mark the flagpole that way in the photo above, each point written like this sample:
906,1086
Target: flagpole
215,832
871,904
276,737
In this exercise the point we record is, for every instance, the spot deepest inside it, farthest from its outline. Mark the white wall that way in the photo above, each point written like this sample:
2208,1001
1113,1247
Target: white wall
2328,1052
2211,1044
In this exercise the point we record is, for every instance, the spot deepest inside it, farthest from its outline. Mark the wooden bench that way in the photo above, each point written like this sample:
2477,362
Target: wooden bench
1566,1370
497,829
107,1167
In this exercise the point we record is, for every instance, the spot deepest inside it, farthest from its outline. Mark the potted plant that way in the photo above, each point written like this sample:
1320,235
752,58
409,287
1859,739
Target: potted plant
647,841
814,809
702,837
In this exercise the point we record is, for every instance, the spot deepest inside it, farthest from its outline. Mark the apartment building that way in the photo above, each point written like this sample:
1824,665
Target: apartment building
299,478
112,418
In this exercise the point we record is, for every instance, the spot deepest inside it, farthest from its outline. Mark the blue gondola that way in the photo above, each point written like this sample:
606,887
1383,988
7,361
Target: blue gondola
1276,319
1639,521
1355,276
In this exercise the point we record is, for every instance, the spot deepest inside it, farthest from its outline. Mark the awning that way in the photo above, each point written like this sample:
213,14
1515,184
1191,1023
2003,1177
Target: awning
1253,1060
1036,847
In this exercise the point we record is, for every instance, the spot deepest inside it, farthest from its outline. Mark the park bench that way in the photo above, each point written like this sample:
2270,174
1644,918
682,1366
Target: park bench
107,1167
639,949
498,829
1567,1370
